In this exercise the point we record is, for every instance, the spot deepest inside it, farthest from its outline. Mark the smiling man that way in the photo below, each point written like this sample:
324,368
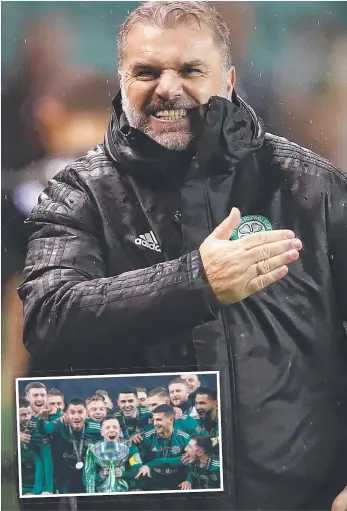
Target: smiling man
162,448
132,418
179,396
139,258
55,399
71,436
111,432
96,408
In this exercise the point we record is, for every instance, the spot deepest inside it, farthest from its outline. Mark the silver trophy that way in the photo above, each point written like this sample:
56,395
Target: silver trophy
109,456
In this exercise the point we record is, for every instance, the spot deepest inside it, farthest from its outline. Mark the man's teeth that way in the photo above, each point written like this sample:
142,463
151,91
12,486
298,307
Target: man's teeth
168,115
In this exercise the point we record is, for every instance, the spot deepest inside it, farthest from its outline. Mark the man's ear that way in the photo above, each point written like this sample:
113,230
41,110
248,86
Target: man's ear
231,81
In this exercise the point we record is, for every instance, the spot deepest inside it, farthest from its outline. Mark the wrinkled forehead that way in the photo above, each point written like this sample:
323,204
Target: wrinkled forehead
169,47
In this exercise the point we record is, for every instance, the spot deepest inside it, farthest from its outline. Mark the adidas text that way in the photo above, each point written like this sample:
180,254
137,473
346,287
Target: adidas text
148,240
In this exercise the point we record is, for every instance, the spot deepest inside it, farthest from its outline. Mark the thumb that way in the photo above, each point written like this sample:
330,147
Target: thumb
225,229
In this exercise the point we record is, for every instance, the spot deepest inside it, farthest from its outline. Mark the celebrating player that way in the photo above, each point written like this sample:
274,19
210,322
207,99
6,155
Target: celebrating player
55,399
204,467
107,398
95,476
71,436
179,395
142,395
162,449
31,462
206,405
132,419
193,384
36,394
96,408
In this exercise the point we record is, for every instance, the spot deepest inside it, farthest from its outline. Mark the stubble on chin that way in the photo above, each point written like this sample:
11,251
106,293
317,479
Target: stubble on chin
173,140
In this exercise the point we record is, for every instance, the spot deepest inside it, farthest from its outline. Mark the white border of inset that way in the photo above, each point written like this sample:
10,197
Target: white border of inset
99,376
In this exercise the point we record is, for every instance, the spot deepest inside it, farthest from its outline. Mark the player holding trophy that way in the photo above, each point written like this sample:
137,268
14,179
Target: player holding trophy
111,465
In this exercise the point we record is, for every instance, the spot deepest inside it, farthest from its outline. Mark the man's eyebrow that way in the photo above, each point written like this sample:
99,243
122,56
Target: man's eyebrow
142,64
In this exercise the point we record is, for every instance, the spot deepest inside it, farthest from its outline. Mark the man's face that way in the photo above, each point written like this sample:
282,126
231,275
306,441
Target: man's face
37,398
110,430
97,410
192,450
76,415
127,404
192,380
142,398
165,74
155,401
204,406
25,416
178,394
55,401
162,424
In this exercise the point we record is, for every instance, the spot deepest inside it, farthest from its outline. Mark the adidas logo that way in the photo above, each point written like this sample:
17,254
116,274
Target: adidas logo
148,240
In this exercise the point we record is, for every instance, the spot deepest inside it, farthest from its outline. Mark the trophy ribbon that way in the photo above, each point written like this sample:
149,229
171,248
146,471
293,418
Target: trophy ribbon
77,450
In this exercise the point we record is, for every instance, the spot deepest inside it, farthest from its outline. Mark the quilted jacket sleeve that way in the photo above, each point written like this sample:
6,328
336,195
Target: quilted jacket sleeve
66,290
337,236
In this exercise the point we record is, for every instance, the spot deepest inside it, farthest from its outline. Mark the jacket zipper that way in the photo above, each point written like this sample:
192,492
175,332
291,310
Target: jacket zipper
232,369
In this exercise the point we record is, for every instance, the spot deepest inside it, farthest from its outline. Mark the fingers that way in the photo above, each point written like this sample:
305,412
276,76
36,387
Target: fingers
262,281
264,237
269,250
226,228
340,503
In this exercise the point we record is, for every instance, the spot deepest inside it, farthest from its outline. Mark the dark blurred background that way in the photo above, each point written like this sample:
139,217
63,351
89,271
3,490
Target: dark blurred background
59,71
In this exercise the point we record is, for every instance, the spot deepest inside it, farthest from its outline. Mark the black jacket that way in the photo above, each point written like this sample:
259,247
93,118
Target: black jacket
97,299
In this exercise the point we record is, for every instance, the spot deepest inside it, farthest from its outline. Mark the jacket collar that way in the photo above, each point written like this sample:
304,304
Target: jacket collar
232,131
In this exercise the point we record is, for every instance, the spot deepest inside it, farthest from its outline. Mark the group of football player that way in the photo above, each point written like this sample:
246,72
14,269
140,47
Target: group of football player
171,434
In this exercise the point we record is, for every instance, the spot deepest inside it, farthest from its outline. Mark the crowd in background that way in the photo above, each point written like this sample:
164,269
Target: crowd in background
59,74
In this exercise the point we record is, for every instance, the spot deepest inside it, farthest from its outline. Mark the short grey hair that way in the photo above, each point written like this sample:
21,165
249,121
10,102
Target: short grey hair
171,14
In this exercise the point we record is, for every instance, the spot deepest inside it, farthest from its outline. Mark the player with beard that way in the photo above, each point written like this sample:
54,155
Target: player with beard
36,395
111,432
204,466
161,396
193,384
72,434
96,408
107,398
142,395
206,405
162,449
179,396
31,462
55,399
132,418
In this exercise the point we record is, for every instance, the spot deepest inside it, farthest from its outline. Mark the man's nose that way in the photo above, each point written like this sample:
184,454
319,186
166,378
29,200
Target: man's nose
169,86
